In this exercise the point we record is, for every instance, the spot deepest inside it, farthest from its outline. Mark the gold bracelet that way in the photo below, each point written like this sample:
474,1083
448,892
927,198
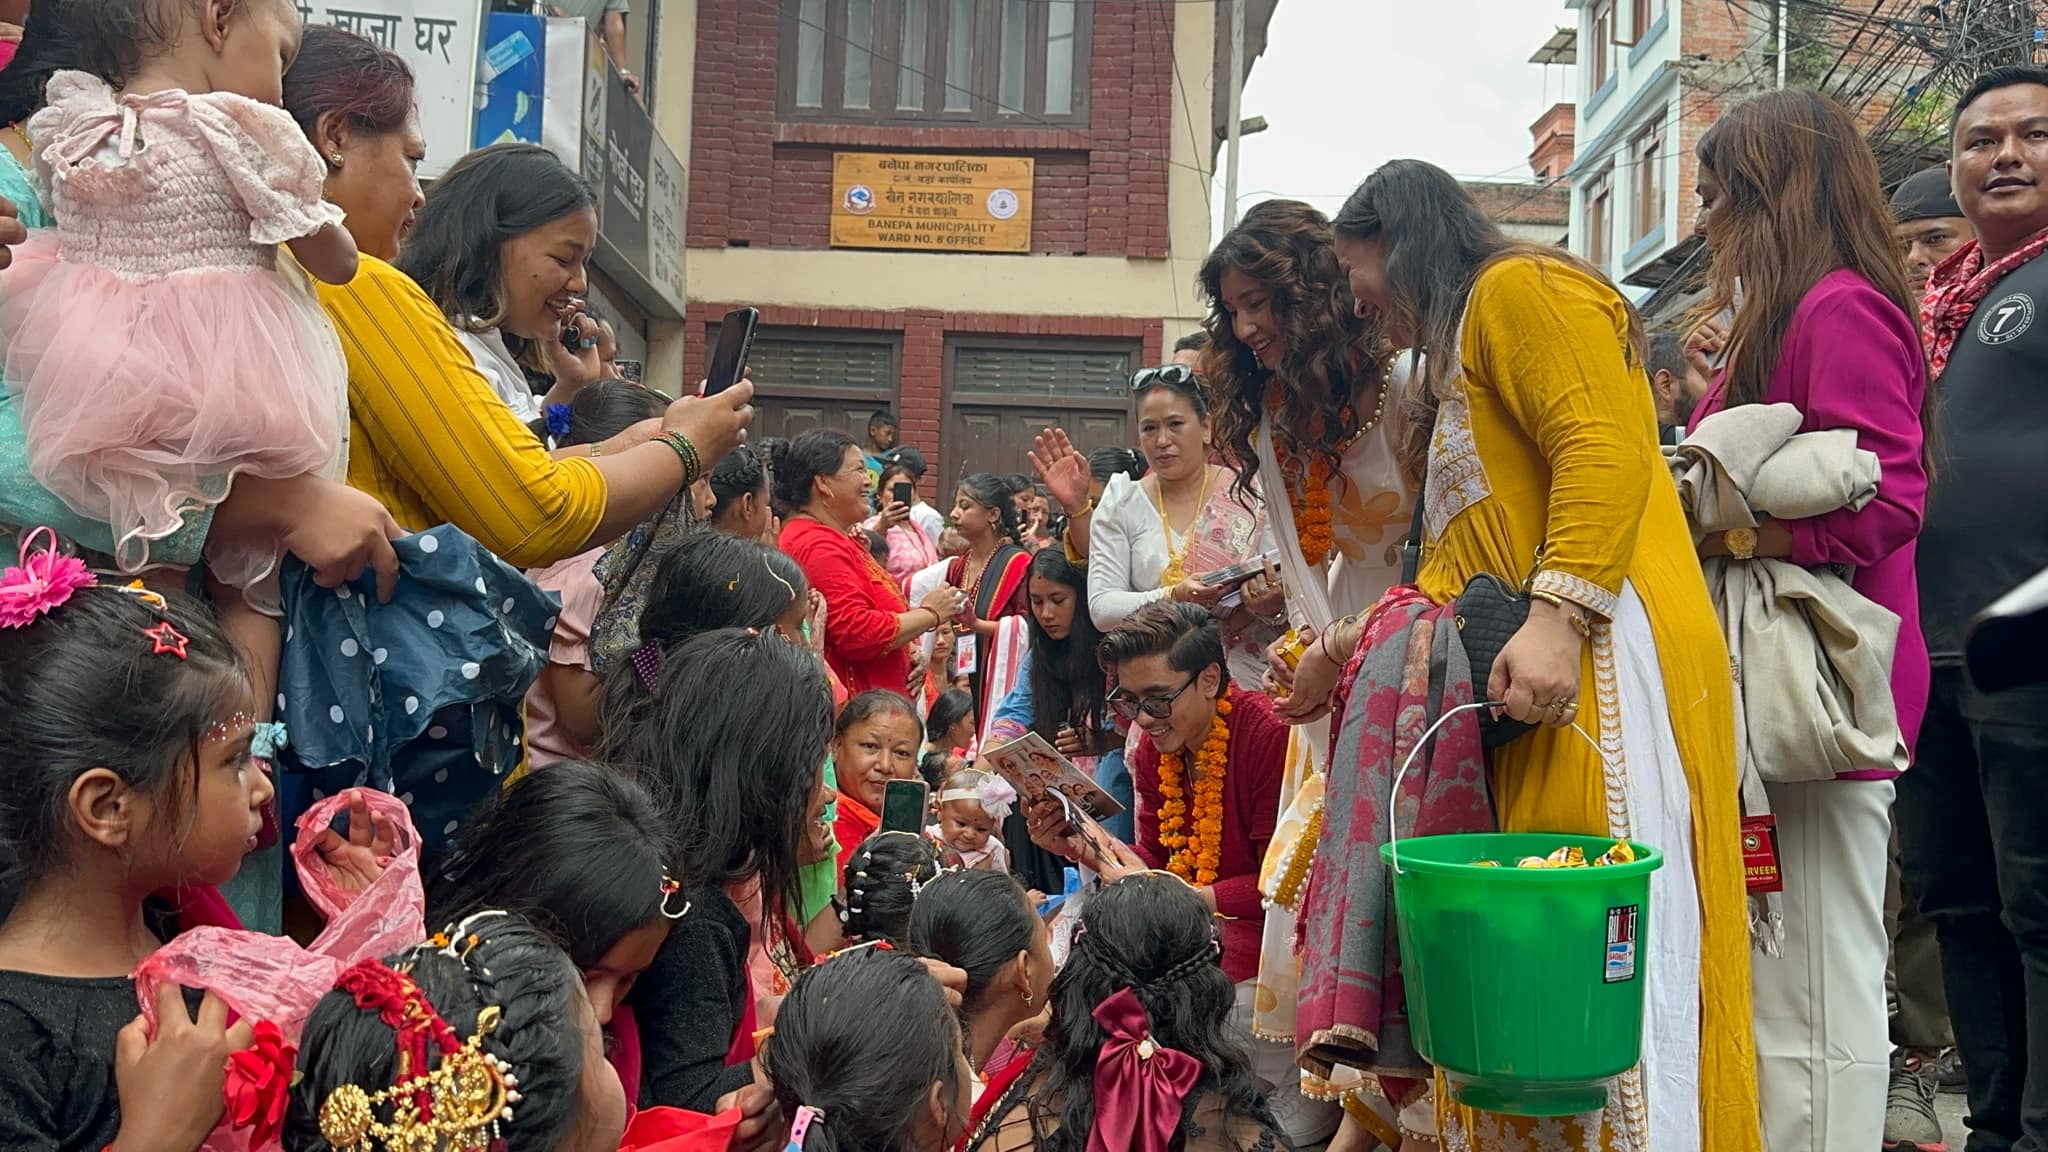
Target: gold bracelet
1085,510
1581,619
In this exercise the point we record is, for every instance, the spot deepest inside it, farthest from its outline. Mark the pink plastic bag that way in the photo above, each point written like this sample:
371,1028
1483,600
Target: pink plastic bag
265,977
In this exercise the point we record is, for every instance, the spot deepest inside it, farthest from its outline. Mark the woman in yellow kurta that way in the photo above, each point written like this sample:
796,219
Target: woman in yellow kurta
1543,466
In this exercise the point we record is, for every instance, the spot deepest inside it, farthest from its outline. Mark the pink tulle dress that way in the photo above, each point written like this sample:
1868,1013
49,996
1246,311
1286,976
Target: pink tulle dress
159,345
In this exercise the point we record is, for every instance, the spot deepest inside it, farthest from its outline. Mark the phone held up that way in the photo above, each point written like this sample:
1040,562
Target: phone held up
903,806
903,492
735,341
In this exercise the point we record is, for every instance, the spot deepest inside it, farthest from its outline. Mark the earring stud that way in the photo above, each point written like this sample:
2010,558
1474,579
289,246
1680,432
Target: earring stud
336,159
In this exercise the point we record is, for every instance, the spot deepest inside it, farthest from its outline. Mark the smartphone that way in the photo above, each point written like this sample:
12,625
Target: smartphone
903,805
729,359
903,491
631,371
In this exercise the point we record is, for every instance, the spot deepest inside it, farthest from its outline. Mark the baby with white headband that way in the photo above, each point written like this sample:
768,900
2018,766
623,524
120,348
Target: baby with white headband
972,807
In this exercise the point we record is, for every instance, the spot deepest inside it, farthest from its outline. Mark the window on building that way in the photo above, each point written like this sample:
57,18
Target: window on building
999,62
1603,43
1599,220
1645,17
1646,154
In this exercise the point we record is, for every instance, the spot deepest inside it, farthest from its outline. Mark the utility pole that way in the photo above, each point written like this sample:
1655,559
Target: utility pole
1781,43
1233,127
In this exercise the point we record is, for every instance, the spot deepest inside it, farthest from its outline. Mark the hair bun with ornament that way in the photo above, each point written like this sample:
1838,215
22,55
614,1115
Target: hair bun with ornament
42,582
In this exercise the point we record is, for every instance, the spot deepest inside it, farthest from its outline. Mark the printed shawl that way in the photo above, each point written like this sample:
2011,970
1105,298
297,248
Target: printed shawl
1409,670
1957,287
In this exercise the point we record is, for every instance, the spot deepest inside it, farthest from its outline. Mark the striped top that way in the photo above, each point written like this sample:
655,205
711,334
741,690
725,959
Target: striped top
429,438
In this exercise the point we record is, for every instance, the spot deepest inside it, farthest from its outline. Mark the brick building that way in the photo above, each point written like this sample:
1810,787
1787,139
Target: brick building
1654,75
982,215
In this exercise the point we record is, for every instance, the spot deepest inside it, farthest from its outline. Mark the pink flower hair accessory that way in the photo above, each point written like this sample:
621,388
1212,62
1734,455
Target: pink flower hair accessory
41,583
996,796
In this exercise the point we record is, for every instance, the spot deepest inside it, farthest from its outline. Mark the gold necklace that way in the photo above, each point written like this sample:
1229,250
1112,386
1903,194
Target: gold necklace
1177,561
23,133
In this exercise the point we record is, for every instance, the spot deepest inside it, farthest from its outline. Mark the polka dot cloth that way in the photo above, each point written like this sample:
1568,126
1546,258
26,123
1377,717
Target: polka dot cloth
419,697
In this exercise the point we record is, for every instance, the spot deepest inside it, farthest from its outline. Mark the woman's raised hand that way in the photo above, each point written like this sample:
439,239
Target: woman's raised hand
1062,467
572,359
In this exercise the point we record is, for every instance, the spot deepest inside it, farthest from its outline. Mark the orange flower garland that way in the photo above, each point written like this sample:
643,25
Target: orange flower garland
1196,858
1308,487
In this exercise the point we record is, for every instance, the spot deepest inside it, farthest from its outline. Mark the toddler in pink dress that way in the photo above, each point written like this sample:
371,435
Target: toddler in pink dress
157,349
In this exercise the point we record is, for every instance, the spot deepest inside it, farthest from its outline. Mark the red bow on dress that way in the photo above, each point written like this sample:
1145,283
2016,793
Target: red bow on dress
1139,1085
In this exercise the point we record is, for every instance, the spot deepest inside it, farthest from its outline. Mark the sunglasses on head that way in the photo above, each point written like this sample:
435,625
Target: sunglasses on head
1171,375
1157,707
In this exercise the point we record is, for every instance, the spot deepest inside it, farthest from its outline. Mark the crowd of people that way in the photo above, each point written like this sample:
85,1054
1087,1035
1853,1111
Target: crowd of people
425,738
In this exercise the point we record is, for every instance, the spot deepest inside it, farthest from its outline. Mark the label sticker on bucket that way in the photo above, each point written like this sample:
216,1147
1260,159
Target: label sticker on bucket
1621,944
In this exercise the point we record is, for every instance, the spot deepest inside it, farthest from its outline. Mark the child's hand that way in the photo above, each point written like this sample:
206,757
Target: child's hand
357,861
170,1087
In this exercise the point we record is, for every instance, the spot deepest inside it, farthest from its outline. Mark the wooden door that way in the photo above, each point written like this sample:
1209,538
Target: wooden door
1001,394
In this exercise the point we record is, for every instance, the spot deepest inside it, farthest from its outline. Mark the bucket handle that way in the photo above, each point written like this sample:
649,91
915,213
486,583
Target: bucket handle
1429,734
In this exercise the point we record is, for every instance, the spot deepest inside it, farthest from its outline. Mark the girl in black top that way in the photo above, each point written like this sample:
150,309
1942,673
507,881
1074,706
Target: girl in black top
734,743
125,717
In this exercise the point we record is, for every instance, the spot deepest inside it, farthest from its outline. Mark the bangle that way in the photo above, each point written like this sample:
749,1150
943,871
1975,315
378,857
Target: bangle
1323,645
1085,510
1581,621
693,467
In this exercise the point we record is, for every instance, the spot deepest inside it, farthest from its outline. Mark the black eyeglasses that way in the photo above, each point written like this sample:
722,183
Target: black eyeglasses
1171,375
1157,707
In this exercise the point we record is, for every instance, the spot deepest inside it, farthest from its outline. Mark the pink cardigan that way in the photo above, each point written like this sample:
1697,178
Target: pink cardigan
1851,359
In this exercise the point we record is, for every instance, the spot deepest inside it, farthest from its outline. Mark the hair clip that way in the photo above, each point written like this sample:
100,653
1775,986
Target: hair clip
646,660
166,640
41,582
801,1126
144,593
558,420
669,890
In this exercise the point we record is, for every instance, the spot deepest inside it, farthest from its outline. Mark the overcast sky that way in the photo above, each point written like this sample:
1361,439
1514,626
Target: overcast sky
1349,84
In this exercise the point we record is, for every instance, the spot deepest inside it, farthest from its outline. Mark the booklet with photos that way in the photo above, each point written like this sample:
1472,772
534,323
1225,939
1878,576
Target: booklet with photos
1035,768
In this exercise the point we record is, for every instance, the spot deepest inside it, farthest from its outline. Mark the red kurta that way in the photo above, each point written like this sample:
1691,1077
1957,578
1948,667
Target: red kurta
862,603
1251,803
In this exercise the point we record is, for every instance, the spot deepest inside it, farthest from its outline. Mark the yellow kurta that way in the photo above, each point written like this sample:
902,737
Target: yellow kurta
1549,439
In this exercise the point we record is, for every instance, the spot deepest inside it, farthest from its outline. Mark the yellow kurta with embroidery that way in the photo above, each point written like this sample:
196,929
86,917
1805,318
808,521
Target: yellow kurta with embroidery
1550,440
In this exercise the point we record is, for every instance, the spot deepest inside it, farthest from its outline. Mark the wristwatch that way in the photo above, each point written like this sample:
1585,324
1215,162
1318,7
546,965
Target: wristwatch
1740,542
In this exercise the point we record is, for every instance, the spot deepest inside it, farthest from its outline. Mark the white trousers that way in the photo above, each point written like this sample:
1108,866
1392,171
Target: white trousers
1822,1047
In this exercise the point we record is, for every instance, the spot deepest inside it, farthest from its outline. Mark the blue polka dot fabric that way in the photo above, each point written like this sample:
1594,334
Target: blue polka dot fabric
419,697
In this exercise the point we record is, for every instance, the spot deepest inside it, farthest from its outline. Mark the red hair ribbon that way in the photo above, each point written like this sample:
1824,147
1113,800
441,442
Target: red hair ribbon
1139,1085
403,1008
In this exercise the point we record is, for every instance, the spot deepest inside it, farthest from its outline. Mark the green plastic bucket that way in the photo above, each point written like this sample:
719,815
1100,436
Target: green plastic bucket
1524,985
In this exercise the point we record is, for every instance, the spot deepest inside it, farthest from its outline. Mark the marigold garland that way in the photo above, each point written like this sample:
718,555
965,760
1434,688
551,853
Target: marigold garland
1196,858
1308,487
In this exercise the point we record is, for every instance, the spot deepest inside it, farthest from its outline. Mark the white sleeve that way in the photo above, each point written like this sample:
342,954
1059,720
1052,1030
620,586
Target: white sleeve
1110,596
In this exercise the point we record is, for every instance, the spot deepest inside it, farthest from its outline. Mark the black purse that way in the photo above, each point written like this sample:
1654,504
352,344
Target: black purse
1488,612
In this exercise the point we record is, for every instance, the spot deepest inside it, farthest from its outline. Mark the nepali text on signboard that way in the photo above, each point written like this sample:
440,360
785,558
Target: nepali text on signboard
438,38
931,203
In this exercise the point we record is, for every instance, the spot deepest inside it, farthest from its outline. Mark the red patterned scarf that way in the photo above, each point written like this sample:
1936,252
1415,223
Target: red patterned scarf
1409,669
1957,287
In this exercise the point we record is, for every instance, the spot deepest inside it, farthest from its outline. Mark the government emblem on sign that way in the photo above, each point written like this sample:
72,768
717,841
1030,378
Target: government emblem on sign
2006,320
860,199
1002,203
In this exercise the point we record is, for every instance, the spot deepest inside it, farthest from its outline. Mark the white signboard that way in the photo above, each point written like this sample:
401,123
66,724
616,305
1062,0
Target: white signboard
438,38
665,219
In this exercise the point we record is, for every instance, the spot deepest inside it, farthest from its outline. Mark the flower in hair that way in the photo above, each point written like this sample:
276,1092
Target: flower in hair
558,420
258,1084
996,795
41,583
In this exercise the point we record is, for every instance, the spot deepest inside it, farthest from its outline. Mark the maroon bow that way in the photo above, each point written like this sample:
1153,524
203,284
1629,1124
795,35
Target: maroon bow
1139,1085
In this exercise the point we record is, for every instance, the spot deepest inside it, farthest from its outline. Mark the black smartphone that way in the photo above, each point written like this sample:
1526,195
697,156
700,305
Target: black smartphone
903,491
630,371
903,805
729,359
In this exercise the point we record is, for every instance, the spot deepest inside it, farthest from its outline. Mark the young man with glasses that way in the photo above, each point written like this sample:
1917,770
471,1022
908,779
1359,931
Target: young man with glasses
1168,679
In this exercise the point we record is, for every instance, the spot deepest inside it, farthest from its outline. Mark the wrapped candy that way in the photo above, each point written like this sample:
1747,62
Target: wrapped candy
270,978
1621,853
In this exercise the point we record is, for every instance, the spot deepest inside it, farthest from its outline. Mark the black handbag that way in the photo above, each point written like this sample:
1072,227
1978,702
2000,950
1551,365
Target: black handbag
1488,612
